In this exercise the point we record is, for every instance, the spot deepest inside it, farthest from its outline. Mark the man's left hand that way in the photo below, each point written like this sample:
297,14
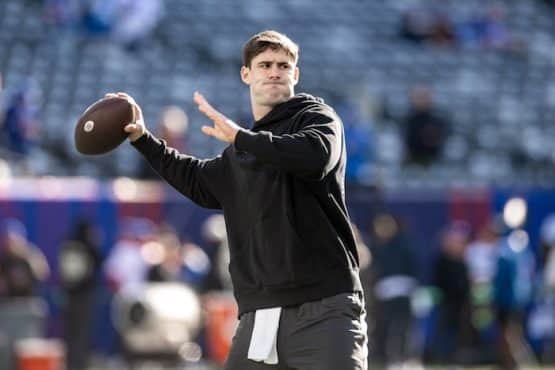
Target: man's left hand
224,129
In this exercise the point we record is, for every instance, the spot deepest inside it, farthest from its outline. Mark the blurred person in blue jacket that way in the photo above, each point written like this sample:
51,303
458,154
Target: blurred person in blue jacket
359,142
21,122
512,294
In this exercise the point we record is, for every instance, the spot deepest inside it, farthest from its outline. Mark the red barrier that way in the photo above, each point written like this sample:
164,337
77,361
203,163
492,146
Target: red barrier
40,354
221,322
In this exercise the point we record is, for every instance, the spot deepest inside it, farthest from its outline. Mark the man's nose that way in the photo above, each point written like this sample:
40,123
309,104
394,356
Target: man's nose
275,72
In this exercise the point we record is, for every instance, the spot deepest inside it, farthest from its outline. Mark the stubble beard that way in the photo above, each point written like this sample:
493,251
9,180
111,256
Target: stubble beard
271,99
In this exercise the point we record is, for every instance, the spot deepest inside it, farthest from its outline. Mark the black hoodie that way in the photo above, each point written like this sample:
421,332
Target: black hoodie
281,188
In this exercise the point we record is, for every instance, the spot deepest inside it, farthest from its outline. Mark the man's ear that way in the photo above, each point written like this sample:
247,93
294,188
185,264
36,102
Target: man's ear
245,75
296,75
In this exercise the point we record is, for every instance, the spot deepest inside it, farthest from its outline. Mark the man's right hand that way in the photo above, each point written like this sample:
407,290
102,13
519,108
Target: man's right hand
135,129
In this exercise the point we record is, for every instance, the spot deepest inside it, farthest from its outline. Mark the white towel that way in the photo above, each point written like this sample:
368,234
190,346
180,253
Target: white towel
263,345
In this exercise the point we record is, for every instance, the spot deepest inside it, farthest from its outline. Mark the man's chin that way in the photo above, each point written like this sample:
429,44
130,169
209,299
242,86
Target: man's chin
275,99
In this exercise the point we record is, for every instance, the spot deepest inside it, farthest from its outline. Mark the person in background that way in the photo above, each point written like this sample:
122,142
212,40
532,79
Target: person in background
394,280
488,29
172,128
452,280
481,253
80,262
512,294
425,129
428,25
217,249
21,126
125,266
481,259
135,21
542,320
2,103
22,265
359,141
23,268
179,262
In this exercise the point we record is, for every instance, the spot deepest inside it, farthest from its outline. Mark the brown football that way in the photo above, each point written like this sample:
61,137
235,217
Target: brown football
100,128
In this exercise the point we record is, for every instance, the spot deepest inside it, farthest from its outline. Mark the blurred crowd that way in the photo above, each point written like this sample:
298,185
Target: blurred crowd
127,22
484,28
145,257
425,132
487,297
24,152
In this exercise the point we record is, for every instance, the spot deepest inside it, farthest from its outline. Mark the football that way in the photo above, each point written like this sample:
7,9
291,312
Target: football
100,128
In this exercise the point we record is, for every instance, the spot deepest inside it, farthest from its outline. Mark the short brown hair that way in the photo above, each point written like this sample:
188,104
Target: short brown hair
268,40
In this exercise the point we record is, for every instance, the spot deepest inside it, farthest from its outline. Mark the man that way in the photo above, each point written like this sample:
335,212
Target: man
293,258
426,129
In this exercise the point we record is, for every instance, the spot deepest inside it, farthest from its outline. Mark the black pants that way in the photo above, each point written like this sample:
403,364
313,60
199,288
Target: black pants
329,334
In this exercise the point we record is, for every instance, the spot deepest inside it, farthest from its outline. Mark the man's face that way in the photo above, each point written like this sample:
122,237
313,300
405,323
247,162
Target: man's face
271,77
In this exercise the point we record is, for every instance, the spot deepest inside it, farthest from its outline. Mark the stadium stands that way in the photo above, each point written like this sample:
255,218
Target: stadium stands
501,102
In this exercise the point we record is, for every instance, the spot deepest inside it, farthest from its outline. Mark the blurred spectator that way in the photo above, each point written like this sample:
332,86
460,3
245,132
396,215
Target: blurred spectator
425,129
363,251
22,265
1,102
487,30
197,265
5,170
394,275
22,268
358,138
128,22
215,237
79,265
136,19
542,318
547,253
185,263
481,259
513,288
451,278
172,128
427,25
166,258
21,123
126,266
62,13
481,253
99,17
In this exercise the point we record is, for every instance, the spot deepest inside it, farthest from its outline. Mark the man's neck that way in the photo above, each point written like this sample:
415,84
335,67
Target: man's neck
260,111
